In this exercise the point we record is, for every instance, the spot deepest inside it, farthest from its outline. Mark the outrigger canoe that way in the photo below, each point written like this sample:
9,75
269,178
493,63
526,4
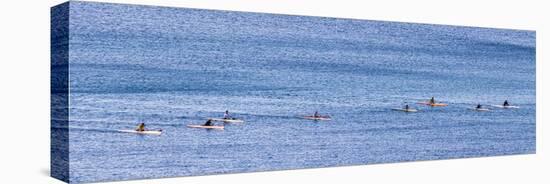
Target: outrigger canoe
227,120
320,118
480,109
405,110
433,104
146,132
206,127
506,107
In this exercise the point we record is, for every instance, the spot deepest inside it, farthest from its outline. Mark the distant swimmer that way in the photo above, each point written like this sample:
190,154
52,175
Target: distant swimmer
506,104
208,122
432,101
141,127
226,115
478,106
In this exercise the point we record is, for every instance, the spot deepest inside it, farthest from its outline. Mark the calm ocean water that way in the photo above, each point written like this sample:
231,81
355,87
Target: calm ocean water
172,67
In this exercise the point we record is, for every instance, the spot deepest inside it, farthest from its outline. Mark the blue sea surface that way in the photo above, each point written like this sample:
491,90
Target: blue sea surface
173,67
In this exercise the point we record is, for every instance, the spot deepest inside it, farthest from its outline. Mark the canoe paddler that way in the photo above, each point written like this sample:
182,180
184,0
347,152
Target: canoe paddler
316,114
406,106
208,122
226,115
506,104
432,101
478,106
141,127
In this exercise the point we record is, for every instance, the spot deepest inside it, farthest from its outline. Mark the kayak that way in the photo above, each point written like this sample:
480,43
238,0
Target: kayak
146,132
227,120
405,110
433,105
479,109
506,107
321,118
206,127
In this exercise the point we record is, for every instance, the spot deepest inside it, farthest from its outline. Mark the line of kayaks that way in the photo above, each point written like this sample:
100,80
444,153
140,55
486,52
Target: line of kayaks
316,117
432,103
233,120
210,124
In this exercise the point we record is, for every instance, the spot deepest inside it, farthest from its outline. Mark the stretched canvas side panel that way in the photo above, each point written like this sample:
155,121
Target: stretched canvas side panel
59,92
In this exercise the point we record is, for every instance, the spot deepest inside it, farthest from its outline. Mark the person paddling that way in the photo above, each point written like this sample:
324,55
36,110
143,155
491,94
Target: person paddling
506,104
208,122
316,114
141,127
407,107
432,101
478,106
226,115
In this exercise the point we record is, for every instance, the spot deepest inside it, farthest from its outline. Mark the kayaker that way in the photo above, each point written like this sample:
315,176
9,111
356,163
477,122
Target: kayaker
141,127
316,114
208,122
432,101
226,115
407,107
506,104
478,106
